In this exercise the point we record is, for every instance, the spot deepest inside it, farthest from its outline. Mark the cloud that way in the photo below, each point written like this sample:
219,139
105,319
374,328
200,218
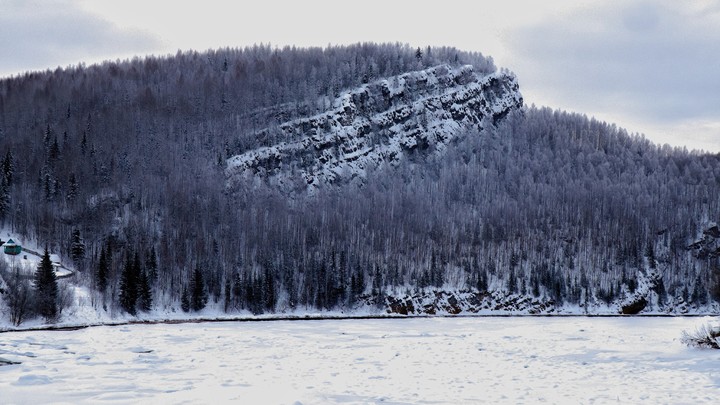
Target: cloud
653,60
45,34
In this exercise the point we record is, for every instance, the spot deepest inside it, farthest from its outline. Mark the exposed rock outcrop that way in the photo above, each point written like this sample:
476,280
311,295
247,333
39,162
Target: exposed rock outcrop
649,280
463,302
415,113
709,244
634,306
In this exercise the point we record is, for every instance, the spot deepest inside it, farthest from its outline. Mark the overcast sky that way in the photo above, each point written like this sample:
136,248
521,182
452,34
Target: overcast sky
651,66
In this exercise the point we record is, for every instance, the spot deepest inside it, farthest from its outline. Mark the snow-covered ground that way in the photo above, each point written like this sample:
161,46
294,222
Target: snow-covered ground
28,261
394,361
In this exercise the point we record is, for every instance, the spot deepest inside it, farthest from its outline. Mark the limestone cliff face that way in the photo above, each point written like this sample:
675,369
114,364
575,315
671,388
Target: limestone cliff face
413,114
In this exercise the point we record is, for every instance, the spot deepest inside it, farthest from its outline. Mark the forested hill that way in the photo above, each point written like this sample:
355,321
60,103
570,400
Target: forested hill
181,181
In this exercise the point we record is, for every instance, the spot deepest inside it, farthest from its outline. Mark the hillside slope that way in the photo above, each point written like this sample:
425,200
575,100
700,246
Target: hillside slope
361,178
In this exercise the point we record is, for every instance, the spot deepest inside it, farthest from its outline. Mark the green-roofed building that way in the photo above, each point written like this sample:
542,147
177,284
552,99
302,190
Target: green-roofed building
12,248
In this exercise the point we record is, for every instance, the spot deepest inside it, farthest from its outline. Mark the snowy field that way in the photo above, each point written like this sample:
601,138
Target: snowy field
567,360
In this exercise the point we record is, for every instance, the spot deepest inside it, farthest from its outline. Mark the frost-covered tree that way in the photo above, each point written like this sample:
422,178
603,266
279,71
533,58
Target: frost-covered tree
18,295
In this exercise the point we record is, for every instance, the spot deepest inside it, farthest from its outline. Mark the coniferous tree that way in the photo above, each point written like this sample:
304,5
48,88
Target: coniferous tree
129,287
101,278
255,294
46,137
4,199
8,168
83,143
290,286
145,292
151,265
357,281
73,189
199,295
54,152
185,301
238,291
269,295
227,293
46,289
77,246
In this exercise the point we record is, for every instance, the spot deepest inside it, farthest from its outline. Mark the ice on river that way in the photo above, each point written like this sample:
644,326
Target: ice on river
390,361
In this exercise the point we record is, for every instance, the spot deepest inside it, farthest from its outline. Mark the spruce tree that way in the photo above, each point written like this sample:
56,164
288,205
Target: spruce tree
228,293
54,152
151,265
144,293
102,272
8,168
109,246
269,290
199,296
83,143
46,289
77,246
129,287
238,291
73,188
185,301
4,198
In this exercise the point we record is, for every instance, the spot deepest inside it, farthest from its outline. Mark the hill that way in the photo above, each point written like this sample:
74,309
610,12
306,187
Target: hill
412,180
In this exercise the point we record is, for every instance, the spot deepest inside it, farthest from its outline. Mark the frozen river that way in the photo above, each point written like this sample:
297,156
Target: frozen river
390,361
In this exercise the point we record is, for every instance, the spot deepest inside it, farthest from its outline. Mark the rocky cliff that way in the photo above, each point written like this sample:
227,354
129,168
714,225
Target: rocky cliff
708,245
413,114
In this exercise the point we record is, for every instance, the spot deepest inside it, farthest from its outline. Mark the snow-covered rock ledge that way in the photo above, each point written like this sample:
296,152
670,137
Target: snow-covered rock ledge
384,121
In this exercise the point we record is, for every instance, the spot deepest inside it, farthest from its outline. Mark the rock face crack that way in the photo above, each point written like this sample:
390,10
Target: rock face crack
416,113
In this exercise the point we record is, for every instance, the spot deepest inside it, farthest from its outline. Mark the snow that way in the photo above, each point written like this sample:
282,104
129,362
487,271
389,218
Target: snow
398,361
28,261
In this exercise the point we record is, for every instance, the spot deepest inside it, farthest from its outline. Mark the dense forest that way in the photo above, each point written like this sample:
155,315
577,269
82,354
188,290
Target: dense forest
120,167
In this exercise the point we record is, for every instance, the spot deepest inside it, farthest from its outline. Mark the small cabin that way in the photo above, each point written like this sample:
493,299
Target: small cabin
12,248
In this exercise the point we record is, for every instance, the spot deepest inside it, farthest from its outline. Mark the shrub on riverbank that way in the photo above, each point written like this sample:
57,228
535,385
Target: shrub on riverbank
707,335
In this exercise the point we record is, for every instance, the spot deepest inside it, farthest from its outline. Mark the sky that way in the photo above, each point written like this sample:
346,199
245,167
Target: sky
650,66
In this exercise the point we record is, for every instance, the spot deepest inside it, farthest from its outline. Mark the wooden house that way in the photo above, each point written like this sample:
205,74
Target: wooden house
12,248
